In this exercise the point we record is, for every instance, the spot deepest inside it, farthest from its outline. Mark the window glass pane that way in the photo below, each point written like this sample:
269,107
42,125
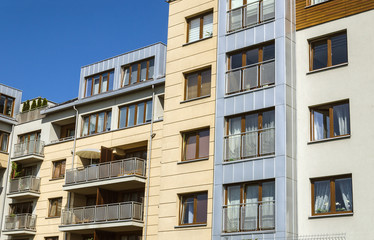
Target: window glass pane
126,77
88,87
319,54
194,31
268,119
9,106
204,143
251,122
93,123
252,56
104,84
321,124
2,104
85,126
343,194
192,80
131,116
111,77
108,121
208,26
236,3
268,9
151,68
100,122
143,71
235,125
201,208
268,191
134,73
339,49
140,114
341,119
187,210
251,194
96,85
268,52
205,83
236,61
122,117
148,116
4,142
322,196
233,195
190,147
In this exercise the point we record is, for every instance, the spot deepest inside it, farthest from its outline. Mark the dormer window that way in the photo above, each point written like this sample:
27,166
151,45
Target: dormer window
99,83
138,72
6,105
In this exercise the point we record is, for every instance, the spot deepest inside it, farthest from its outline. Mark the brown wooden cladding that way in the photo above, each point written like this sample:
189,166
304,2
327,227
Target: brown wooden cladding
307,16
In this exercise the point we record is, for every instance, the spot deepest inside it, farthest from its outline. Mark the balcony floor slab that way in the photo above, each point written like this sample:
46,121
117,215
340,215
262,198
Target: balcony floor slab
115,226
28,159
22,232
23,195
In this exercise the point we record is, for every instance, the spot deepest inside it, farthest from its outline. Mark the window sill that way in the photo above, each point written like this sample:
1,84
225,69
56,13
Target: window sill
189,43
191,226
248,91
52,217
312,5
193,99
327,68
56,179
331,215
329,139
191,161
247,232
248,159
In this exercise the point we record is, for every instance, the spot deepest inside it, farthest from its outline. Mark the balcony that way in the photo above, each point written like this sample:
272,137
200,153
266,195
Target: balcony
249,144
257,216
117,175
24,187
126,216
27,152
250,15
20,224
250,77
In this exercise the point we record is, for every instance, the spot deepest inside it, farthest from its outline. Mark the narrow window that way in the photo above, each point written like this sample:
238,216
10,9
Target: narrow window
55,207
4,140
196,145
193,209
200,27
197,84
58,169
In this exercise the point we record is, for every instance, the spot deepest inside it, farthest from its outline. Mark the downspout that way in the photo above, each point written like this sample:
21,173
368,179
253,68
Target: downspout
151,136
7,174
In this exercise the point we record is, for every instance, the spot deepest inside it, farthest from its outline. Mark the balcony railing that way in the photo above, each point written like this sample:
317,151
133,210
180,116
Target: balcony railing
126,211
63,139
28,147
250,77
107,170
250,14
250,144
24,184
19,222
249,216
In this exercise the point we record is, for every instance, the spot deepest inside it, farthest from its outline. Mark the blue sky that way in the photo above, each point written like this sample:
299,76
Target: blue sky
43,43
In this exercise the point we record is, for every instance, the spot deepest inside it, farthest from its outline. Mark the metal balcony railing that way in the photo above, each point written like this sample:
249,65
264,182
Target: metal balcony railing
107,170
250,14
250,77
18,222
24,184
250,144
126,211
255,216
29,147
63,139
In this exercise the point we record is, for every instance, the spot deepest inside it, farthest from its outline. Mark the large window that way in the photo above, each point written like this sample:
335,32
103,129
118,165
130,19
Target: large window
330,120
135,114
332,195
196,145
96,123
55,207
247,13
6,105
249,207
328,51
58,169
4,140
193,209
197,84
251,68
250,135
99,83
200,27
138,72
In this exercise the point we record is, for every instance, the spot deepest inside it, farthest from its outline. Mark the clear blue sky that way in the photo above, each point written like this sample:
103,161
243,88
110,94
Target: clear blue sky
43,43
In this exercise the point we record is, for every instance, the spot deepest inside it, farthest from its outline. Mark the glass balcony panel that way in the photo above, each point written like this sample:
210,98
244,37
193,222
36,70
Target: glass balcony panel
89,214
125,211
232,147
249,217
81,175
231,218
233,81
235,19
251,14
113,212
104,170
100,214
92,172
267,142
267,215
250,77
116,169
267,73
250,144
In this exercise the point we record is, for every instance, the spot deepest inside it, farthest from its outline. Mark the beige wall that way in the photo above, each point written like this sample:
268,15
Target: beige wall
350,155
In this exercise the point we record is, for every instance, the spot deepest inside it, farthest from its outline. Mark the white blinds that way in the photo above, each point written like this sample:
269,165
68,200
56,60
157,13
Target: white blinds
208,26
194,31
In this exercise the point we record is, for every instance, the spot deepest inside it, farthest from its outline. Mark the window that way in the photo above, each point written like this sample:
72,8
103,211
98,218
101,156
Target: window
330,120
55,207
135,114
6,105
196,145
197,84
251,68
4,140
312,2
249,207
247,13
193,209
59,169
96,123
99,83
200,27
332,195
51,238
250,135
138,72
20,208
328,51
67,131
29,143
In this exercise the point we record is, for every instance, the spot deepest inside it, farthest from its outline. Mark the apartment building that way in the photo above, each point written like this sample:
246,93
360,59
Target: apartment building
334,100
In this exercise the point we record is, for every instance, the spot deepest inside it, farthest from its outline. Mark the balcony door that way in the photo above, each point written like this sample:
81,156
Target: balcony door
30,142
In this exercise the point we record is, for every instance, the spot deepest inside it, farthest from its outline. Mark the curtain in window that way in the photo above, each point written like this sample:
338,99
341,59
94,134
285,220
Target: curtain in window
85,126
267,136
318,125
57,170
108,121
96,85
232,209
188,210
126,76
267,207
100,122
4,143
250,138
341,119
208,26
104,85
343,187
32,144
322,196
194,30
233,141
190,147
151,69
134,73
143,71
93,124
249,211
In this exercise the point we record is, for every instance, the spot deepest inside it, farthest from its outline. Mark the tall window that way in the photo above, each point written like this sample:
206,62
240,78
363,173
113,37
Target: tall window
332,195
96,123
193,209
58,169
249,207
251,68
55,207
250,135
200,27
197,84
330,120
196,145
6,105
328,51
138,72
135,114
247,13
4,140
99,83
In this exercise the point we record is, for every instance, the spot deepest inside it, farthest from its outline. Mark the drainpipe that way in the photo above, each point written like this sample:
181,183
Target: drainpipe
151,136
